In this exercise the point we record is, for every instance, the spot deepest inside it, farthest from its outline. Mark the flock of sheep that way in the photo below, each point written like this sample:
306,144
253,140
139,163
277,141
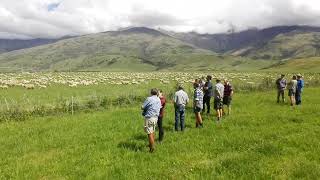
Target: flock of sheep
75,79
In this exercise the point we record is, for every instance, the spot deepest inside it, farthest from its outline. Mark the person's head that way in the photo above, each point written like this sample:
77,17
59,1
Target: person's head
154,92
226,81
209,78
160,94
196,85
218,80
299,76
282,75
180,87
294,77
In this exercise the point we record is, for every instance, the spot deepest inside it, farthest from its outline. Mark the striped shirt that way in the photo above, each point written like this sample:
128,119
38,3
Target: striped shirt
198,98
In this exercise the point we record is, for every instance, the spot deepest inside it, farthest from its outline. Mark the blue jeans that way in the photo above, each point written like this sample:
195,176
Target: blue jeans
298,97
179,115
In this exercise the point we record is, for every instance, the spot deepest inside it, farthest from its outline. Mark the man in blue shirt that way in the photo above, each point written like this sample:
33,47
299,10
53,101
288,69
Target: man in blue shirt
151,110
300,85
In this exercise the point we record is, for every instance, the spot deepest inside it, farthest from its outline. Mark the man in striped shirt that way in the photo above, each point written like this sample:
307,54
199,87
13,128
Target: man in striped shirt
198,104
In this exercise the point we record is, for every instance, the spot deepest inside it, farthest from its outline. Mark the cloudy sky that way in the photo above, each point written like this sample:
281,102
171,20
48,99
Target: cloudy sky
55,18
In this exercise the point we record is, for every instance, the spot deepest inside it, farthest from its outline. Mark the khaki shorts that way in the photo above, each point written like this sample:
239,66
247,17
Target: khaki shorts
150,125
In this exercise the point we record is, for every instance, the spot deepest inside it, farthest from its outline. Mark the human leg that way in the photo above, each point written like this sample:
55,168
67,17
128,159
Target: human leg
161,131
177,118
182,118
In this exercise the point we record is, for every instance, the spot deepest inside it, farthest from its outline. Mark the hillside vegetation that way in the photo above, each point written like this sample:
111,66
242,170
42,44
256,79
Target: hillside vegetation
144,49
286,46
138,49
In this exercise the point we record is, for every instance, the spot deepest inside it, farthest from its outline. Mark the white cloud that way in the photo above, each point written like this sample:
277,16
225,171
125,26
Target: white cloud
32,18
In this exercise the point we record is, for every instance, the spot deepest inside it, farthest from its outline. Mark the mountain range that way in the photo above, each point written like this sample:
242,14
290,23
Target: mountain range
287,48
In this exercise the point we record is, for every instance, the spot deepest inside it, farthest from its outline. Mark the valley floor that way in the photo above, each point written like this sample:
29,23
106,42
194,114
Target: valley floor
261,139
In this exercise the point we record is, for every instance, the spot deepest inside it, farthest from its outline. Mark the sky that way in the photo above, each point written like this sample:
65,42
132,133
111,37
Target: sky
25,19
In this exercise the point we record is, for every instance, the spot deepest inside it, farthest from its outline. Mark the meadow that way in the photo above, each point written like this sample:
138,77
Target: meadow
103,138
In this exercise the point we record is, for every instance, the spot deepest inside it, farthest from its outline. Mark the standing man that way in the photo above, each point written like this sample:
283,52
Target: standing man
198,104
207,94
163,104
227,95
151,110
218,98
180,100
300,85
292,89
281,86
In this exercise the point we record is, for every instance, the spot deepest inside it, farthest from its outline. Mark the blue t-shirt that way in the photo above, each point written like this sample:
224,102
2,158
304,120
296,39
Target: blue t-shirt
151,107
300,85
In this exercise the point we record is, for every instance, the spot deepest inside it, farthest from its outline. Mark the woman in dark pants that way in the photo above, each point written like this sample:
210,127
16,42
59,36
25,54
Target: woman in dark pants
163,104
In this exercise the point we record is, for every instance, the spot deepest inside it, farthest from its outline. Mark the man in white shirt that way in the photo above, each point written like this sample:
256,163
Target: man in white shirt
180,100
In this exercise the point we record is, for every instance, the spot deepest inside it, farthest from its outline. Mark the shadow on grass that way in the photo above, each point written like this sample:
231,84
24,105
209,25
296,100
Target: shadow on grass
136,144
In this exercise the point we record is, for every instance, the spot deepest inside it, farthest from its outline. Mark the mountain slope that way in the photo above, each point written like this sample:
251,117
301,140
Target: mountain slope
137,49
296,65
291,45
7,45
225,42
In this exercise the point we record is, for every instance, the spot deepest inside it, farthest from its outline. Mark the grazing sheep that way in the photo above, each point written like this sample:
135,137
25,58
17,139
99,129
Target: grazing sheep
29,86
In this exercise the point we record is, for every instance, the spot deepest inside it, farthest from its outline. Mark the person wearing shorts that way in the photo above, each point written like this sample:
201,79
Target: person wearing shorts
198,104
292,88
151,111
218,98
227,95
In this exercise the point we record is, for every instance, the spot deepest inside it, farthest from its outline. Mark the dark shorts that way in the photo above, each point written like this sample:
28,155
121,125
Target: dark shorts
218,104
197,109
291,93
227,100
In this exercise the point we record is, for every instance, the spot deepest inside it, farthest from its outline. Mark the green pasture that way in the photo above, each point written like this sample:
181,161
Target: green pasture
260,140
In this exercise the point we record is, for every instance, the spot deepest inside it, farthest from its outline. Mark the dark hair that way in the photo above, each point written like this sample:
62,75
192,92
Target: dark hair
180,87
196,85
154,91
294,77
218,80
282,75
209,77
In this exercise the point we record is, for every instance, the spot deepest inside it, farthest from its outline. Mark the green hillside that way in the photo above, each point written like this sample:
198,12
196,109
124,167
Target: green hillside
291,45
143,49
139,49
296,65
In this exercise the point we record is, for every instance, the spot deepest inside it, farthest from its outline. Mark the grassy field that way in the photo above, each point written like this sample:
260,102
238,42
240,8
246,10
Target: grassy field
260,140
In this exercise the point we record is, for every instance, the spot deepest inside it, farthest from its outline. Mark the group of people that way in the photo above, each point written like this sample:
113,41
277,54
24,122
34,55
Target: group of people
153,107
294,86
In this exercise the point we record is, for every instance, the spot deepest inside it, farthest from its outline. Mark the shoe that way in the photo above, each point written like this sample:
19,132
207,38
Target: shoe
151,150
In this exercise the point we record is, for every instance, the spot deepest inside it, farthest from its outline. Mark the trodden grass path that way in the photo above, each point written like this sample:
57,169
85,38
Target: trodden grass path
261,139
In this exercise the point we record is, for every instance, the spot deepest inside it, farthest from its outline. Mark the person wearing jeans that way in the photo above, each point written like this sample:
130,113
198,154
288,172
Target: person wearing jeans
207,89
180,100
160,118
300,85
